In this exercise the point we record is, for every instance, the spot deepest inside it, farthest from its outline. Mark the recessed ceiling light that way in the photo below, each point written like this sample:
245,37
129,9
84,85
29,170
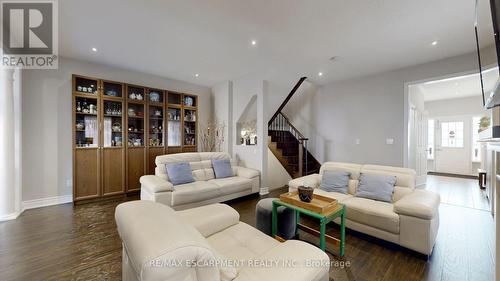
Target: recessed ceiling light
197,75
320,73
434,43
94,49
253,42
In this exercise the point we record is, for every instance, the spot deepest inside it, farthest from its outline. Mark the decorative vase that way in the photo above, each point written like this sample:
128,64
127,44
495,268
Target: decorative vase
306,193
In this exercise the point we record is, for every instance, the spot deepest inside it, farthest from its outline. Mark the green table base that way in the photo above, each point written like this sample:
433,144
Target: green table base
323,220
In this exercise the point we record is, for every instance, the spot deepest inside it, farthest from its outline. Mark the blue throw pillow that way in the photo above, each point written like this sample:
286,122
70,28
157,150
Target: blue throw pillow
222,168
376,187
335,181
179,173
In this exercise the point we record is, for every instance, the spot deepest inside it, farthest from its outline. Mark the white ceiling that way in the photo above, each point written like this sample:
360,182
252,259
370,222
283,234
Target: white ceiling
177,39
458,87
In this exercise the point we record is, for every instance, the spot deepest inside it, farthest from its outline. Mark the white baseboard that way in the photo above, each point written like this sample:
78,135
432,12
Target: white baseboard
49,201
264,191
11,216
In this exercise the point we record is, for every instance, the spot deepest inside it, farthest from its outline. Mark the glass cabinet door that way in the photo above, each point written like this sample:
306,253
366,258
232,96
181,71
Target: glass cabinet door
189,127
86,122
174,126
87,86
111,89
135,125
113,123
156,128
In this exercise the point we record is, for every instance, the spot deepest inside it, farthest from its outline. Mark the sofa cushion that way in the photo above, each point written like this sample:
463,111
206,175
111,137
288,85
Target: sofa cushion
353,169
194,192
232,184
179,173
372,213
335,181
222,168
241,241
210,219
404,177
146,231
376,187
341,197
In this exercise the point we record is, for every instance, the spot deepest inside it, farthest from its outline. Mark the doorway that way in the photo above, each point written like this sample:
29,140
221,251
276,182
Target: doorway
453,140
444,117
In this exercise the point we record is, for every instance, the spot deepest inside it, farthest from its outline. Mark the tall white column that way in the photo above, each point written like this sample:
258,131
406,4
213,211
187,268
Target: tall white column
9,208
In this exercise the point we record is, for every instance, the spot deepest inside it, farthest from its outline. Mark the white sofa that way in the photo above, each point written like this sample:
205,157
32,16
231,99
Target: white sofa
206,189
158,243
410,220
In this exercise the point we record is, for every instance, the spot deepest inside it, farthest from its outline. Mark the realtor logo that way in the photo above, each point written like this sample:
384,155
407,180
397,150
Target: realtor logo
29,34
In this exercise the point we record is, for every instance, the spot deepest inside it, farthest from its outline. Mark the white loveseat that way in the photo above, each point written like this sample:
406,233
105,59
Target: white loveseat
162,244
205,190
410,220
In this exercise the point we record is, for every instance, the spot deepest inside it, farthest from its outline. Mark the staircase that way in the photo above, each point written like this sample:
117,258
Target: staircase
288,144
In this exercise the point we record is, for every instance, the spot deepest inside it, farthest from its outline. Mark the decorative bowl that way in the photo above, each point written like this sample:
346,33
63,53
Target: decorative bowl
131,112
111,93
306,193
154,96
117,127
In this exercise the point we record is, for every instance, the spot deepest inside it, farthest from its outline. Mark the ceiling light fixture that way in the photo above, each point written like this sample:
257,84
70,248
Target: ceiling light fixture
320,73
254,42
197,75
94,49
434,43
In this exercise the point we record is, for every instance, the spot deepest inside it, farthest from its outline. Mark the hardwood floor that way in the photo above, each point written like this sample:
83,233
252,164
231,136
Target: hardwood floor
458,191
67,242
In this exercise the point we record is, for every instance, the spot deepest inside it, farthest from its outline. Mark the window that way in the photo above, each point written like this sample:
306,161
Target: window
476,146
452,134
430,139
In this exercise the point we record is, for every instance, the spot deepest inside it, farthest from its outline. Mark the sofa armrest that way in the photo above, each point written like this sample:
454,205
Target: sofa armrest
312,180
292,261
210,219
156,184
246,172
420,203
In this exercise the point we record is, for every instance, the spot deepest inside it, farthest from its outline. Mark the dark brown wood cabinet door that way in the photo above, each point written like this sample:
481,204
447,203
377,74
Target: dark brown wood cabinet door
136,167
152,154
87,173
113,169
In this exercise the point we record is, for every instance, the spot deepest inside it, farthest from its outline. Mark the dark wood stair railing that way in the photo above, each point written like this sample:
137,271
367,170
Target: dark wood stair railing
289,146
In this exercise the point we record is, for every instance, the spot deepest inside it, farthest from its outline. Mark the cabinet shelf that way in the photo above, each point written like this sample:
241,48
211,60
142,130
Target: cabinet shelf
136,117
83,113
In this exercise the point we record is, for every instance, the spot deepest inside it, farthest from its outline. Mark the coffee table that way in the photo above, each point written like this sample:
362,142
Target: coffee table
324,219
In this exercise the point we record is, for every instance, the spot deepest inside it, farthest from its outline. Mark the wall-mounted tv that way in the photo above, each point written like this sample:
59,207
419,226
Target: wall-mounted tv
488,49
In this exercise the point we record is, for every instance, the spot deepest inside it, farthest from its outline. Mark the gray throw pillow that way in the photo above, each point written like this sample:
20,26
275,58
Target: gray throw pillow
179,173
335,181
376,187
222,168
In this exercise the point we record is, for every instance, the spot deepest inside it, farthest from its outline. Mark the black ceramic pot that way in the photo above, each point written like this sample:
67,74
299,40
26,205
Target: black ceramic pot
306,193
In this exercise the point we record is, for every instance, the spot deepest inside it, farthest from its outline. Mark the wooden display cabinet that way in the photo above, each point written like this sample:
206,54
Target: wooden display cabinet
99,161
156,127
120,129
113,147
136,136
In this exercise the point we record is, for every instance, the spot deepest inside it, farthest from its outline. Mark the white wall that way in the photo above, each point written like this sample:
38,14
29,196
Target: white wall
371,109
277,175
456,107
222,97
47,140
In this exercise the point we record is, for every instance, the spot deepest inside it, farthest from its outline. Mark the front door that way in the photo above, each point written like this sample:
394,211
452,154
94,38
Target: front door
453,146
